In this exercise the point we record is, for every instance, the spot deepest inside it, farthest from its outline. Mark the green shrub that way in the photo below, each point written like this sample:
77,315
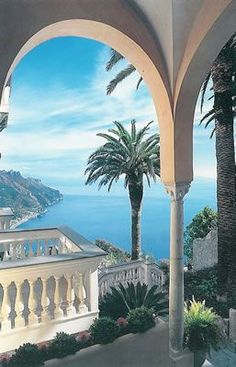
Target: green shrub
27,355
123,299
202,223
140,320
62,345
104,330
203,285
202,327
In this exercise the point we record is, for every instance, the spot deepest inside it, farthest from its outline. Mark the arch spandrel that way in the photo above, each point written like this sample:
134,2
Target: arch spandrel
134,52
195,66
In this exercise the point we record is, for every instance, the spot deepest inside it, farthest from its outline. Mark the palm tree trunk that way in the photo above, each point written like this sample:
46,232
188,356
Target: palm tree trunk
226,180
136,196
226,205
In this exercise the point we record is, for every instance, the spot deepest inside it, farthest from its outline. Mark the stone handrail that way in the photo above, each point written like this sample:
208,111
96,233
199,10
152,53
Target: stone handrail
134,271
20,244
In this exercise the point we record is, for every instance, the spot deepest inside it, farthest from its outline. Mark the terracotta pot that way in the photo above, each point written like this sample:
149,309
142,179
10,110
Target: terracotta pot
199,358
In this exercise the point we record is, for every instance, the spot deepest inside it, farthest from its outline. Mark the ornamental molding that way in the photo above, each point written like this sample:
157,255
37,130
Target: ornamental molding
177,191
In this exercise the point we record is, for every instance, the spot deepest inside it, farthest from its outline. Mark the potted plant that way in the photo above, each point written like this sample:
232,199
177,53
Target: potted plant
203,330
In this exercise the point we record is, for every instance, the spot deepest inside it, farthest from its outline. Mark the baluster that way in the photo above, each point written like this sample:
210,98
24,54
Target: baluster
22,250
64,246
31,251
54,250
57,246
32,304
5,256
19,307
58,312
14,251
5,309
46,248
38,248
81,295
70,295
44,302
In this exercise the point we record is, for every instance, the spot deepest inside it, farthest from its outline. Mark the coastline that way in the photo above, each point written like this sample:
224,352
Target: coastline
26,218
31,215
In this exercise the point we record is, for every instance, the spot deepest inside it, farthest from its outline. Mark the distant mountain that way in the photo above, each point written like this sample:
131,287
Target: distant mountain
27,197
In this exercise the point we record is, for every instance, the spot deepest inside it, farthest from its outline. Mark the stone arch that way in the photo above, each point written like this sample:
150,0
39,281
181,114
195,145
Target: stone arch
209,34
152,74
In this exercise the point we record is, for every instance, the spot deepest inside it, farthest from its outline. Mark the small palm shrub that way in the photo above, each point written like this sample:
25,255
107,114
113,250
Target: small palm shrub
202,327
104,330
140,320
27,355
62,345
121,300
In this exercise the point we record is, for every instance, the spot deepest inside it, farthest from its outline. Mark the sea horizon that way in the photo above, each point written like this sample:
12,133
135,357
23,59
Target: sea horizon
107,217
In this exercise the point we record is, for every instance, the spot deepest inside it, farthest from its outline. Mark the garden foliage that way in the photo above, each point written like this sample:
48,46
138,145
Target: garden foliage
201,225
104,330
27,355
202,327
62,345
140,319
121,300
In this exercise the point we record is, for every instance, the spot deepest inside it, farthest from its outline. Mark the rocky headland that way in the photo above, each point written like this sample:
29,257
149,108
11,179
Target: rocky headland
27,197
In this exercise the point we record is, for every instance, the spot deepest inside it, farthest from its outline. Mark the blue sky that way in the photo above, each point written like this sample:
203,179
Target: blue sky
59,103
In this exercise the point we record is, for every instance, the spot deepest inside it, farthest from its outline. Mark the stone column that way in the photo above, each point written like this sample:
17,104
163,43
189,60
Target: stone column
177,192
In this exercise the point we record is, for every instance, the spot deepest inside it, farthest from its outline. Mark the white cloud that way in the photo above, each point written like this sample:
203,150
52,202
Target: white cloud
52,131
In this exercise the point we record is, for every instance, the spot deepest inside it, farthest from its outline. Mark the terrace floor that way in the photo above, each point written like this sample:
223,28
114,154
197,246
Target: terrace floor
223,358
133,350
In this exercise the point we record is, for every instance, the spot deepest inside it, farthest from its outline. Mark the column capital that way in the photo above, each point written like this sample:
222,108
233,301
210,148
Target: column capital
177,191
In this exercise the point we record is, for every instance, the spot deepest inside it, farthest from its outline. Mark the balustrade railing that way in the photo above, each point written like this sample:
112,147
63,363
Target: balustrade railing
32,301
18,245
133,271
48,283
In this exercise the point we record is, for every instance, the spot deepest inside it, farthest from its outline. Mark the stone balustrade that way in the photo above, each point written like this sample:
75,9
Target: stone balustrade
49,284
134,271
20,244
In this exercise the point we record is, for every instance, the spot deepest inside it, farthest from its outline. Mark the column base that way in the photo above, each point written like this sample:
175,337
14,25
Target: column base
184,358
33,319
45,317
82,309
19,322
5,325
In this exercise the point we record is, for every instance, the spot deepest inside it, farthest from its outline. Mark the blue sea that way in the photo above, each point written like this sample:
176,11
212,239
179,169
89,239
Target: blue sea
108,217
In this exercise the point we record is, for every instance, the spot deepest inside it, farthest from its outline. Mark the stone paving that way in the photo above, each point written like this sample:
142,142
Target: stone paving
134,350
223,358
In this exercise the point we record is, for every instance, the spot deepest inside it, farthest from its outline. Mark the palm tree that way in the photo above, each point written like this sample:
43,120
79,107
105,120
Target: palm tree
123,74
222,74
127,154
119,301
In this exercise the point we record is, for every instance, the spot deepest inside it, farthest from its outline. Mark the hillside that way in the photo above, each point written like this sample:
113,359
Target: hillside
27,197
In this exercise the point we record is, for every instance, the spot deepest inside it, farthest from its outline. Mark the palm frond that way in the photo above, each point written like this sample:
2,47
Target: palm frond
3,120
204,89
114,59
124,153
139,82
123,74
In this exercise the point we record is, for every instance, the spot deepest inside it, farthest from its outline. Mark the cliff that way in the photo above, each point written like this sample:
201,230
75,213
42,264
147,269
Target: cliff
27,197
